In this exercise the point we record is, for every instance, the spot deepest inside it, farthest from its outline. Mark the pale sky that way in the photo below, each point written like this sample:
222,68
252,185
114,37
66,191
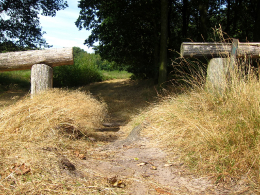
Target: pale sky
61,30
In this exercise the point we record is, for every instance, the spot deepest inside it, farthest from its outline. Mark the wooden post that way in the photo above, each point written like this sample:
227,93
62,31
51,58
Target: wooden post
41,78
217,74
233,56
220,72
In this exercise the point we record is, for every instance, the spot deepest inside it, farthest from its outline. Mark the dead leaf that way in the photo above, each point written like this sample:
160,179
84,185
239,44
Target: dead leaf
114,182
76,153
142,164
82,157
79,155
119,184
162,191
153,167
20,169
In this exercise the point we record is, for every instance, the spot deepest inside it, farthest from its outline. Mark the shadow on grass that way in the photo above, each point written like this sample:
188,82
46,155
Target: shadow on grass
15,81
13,86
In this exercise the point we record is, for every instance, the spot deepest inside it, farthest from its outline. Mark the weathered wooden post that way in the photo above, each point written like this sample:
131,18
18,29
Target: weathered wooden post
40,61
222,59
41,78
220,71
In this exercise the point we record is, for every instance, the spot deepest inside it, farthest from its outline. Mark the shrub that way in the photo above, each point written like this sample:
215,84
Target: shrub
84,71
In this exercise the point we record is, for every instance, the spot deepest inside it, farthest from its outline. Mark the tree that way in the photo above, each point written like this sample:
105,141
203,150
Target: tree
129,31
164,40
257,21
19,22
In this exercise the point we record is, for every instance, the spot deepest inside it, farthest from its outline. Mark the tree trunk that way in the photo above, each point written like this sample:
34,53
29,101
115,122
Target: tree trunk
184,19
203,10
23,60
257,22
227,30
41,78
164,39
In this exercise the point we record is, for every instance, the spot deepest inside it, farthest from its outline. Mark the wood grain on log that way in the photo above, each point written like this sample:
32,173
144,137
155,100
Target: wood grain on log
41,78
213,50
23,60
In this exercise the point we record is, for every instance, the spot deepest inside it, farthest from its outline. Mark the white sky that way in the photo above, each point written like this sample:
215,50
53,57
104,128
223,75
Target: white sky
61,30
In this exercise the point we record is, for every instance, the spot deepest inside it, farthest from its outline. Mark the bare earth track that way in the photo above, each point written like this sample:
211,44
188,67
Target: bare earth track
129,163
142,167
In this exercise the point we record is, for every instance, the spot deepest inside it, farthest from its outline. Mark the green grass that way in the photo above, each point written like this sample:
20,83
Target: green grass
115,74
15,80
69,76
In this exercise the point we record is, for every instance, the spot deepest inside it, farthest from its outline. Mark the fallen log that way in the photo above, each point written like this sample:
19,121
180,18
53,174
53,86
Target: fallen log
24,60
214,50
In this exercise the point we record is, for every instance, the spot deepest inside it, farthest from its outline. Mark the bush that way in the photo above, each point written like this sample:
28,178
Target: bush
84,71
15,79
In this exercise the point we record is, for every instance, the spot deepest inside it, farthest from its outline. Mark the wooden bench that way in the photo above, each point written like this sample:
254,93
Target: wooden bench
222,58
41,63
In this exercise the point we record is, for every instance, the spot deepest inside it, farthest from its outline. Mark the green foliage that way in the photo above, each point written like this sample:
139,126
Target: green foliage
115,74
15,80
84,71
129,32
130,45
87,68
19,21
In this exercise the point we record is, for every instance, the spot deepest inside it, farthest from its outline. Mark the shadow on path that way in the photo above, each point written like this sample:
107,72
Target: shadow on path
124,97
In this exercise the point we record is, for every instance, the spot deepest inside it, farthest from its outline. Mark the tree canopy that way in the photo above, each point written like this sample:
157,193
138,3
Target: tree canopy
129,31
19,22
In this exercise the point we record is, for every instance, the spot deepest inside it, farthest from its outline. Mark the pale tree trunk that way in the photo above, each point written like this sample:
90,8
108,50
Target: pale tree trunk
41,78
164,39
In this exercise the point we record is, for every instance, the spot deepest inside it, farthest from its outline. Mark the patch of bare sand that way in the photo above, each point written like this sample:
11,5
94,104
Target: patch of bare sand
144,169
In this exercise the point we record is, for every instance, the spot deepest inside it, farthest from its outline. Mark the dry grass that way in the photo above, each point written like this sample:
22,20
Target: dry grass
35,134
216,135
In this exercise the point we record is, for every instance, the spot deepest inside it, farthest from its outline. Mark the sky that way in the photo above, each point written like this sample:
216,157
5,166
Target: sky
61,30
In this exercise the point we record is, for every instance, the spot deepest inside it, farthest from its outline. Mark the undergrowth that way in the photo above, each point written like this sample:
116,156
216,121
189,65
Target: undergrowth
15,80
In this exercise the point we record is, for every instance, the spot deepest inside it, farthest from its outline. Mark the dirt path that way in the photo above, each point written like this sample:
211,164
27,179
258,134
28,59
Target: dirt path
124,97
137,166
143,169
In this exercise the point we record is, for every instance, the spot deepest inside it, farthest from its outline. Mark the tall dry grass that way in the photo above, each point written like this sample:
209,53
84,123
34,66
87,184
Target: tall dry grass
215,134
36,133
